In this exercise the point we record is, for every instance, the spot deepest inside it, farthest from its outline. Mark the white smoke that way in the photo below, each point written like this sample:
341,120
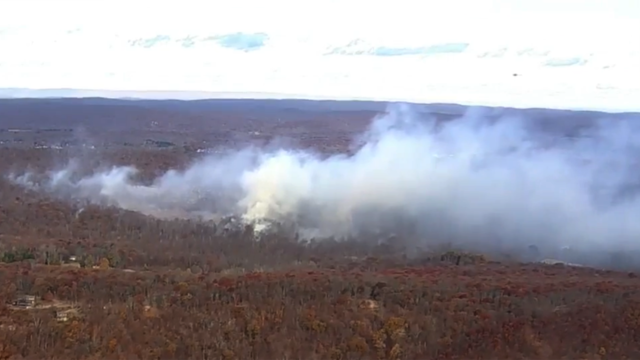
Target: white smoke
480,180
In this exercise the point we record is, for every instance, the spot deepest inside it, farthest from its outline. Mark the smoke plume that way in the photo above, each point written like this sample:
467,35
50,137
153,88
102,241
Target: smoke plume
482,181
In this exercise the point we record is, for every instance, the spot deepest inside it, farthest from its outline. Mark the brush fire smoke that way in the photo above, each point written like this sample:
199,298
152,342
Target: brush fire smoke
480,181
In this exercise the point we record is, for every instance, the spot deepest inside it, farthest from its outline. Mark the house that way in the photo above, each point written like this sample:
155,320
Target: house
25,301
369,304
66,314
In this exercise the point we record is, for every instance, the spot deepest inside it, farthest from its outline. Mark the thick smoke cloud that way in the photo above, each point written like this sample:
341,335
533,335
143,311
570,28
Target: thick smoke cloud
483,181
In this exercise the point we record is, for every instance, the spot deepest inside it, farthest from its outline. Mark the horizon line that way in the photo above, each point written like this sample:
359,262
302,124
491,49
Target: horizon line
199,95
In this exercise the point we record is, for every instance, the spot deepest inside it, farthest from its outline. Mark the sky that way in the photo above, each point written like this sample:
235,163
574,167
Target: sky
567,54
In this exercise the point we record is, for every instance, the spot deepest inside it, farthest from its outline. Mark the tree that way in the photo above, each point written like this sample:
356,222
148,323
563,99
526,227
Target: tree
104,263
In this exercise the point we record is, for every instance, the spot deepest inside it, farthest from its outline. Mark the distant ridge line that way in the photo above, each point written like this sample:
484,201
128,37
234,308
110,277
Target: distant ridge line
205,96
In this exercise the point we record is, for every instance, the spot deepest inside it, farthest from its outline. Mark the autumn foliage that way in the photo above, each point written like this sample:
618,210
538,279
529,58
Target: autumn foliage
112,284
438,311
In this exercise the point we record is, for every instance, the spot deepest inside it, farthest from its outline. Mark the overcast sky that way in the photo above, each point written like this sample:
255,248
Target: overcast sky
546,20
601,37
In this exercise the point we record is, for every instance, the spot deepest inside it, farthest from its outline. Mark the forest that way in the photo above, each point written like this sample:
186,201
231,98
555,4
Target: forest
82,281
